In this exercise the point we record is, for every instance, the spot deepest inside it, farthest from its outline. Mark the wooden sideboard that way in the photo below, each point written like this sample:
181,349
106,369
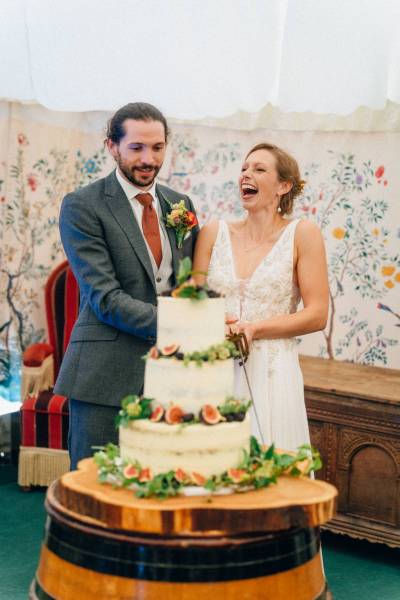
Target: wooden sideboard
354,418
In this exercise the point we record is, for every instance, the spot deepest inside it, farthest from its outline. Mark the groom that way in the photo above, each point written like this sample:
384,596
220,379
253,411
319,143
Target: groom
122,255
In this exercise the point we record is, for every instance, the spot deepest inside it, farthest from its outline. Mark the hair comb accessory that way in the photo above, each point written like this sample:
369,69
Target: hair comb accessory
301,185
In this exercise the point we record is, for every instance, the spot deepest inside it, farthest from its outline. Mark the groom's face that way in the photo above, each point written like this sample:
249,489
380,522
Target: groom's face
140,152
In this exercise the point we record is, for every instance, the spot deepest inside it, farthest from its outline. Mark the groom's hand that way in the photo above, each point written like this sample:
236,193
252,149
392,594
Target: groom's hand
230,319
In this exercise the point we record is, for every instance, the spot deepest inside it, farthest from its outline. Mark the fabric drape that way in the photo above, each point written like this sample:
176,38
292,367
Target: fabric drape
200,58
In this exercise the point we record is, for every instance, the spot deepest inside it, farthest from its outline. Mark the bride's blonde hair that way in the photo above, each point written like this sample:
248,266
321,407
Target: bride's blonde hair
288,170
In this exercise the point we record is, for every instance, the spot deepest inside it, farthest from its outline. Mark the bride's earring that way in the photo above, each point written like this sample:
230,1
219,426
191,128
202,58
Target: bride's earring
279,209
279,204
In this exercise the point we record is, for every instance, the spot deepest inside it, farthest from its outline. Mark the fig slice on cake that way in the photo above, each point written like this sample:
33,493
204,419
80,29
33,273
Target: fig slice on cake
157,414
174,415
145,475
236,475
181,476
169,350
131,472
154,352
210,414
198,479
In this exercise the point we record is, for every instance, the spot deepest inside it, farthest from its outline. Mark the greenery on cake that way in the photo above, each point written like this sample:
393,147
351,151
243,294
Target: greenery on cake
233,409
222,351
187,287
260,467
135,407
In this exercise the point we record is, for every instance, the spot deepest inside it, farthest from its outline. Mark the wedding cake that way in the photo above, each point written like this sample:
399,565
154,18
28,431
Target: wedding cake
194,425
188,433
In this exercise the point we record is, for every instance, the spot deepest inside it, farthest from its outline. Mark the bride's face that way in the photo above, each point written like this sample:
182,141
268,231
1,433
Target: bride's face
259,184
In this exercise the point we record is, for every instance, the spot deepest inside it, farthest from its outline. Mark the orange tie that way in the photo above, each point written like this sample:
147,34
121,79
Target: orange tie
151,230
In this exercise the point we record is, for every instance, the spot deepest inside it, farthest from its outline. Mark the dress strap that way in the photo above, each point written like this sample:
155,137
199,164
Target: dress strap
290,237
292,227
223,232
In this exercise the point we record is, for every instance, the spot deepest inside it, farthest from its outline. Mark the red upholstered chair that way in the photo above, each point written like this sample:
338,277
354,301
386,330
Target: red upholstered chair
43,452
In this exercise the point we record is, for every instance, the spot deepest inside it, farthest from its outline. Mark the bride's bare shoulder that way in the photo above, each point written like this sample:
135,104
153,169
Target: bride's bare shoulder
211,226
308,234
305,228
208,233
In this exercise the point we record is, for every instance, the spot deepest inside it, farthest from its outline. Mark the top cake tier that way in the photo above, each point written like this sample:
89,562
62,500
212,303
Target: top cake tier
192,324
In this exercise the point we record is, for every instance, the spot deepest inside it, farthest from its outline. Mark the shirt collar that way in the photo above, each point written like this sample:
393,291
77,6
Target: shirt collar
132,190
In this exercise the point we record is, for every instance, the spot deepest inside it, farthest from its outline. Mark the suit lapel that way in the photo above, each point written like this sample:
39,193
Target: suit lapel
122,212
177,254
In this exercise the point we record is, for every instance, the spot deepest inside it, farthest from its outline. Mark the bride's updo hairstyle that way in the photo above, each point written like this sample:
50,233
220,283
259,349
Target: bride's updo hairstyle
288,170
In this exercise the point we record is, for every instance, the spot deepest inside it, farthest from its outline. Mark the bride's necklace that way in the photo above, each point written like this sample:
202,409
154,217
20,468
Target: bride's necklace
257,246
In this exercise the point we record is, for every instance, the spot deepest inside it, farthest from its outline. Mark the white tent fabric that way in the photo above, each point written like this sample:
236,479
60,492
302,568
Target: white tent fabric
201,58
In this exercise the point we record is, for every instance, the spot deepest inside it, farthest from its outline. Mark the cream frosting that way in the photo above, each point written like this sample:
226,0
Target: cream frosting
193,324
206,449
168,380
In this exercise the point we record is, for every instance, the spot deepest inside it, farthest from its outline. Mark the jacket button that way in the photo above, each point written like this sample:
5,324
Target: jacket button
158,279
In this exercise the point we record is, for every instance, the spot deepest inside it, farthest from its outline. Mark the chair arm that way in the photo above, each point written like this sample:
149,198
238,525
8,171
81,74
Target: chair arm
37,370
35,354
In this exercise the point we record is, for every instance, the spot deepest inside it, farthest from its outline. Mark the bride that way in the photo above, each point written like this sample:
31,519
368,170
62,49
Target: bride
264,265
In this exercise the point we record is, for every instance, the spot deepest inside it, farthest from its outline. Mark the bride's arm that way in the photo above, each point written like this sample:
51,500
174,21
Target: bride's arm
312,276
202,254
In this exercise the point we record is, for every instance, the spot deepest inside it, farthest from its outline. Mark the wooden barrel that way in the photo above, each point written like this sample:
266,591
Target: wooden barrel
102,543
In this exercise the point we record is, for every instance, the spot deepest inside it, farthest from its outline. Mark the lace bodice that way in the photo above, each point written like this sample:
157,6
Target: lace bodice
272,371
269,291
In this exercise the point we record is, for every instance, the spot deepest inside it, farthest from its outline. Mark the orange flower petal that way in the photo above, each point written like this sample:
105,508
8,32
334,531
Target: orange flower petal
338,233
388,270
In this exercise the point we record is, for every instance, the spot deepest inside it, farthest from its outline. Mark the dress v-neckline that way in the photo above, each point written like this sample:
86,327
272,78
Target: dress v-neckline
264,258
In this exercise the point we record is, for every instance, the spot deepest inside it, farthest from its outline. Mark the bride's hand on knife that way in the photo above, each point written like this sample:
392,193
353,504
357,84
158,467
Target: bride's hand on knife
243,327
248,330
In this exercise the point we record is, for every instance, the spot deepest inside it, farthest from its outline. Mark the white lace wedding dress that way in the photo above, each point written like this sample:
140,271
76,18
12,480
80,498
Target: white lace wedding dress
273,367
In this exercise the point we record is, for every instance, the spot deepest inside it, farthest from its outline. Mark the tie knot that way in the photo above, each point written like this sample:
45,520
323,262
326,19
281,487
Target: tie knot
144,199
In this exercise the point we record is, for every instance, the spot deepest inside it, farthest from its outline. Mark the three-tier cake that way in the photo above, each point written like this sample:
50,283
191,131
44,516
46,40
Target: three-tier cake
188,429
195,424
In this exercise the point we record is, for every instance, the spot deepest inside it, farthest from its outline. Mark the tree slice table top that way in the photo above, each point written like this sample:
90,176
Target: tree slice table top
294,502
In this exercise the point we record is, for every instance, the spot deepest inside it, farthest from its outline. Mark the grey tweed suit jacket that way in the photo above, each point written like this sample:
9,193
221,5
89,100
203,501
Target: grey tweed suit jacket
117,317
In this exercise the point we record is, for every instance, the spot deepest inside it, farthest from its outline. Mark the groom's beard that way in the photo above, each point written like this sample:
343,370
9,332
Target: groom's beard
132,173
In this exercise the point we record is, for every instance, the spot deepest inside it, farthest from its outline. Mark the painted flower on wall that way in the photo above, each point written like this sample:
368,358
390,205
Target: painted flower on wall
345,195
32,182
357,253
30,225
203,172
22,139
339,233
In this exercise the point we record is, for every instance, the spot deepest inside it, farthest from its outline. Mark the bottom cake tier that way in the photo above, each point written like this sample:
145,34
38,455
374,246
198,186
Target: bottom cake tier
208,450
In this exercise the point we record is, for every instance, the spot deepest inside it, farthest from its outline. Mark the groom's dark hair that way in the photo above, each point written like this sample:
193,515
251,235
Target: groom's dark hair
139,111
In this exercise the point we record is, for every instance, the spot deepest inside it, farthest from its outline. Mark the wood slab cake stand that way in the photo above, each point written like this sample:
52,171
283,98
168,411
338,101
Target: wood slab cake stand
104,543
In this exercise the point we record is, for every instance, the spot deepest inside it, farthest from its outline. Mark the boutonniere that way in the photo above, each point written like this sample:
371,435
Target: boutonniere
181,219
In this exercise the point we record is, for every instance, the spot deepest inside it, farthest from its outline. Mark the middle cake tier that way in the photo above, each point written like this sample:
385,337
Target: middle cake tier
191,386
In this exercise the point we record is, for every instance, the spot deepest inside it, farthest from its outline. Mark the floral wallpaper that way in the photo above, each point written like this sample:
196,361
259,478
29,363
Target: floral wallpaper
352,192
